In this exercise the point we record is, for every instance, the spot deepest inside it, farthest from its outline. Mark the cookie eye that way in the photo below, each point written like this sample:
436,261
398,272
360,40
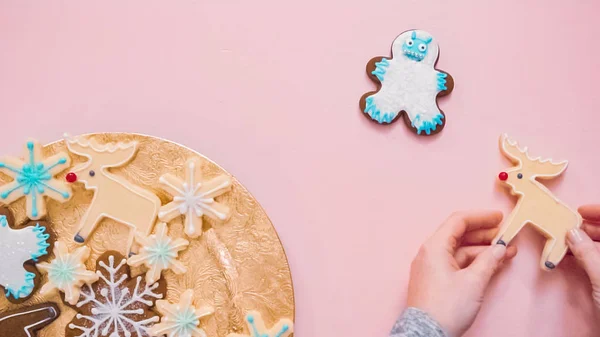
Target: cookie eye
92,173
410,42
520,175
422,47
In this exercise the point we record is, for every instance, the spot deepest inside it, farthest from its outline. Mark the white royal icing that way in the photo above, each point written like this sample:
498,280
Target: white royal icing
114,311
409,85
67,272
180,319
159,252
193,198
16,247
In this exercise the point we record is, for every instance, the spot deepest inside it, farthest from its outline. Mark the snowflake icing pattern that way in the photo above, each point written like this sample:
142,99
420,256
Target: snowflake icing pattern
283,328
67,272
159,252
117,305
181,319
194,198
34,179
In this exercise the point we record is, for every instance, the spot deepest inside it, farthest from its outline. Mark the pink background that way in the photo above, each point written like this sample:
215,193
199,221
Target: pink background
270,89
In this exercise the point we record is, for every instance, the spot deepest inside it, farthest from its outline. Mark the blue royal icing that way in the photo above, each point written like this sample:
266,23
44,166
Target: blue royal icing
256,333
32,178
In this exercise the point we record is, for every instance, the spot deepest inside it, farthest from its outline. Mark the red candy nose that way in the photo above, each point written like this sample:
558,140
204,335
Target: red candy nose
503,176
71,177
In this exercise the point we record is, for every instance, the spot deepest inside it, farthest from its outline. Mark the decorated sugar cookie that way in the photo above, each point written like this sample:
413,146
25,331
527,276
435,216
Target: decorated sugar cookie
194,197
234,263
181,319
67,271
95,174
27,321
159,252
117,305
33,178
256,326
408,84
17,246
536,206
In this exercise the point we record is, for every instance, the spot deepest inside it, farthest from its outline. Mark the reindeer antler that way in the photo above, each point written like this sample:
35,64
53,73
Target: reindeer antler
97,147
546,168
511,150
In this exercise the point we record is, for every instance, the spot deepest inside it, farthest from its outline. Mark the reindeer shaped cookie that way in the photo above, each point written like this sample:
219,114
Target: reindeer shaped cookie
114,196
537,205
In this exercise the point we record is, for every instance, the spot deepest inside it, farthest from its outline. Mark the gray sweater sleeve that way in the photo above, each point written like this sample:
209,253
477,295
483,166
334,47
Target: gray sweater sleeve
416,323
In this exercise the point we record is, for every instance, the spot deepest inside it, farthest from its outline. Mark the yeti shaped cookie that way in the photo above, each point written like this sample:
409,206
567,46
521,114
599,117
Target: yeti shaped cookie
408,83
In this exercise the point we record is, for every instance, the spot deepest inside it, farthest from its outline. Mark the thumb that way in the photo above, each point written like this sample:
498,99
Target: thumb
486,264
586,252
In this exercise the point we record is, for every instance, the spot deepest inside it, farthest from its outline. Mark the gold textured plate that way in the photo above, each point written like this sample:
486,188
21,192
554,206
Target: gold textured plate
235,266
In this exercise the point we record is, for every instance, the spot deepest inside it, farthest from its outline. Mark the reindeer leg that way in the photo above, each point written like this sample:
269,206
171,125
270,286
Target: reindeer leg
513,224
132,246
554,251
88,224
130,251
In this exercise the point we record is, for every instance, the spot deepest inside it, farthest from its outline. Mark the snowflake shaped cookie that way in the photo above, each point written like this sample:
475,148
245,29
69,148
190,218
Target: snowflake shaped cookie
159,252
67,272
256,325
181,319
34,179
16,247
116,305
194,197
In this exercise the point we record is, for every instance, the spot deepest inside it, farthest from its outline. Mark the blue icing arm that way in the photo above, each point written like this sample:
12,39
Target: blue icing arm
381,69
441,81
42,242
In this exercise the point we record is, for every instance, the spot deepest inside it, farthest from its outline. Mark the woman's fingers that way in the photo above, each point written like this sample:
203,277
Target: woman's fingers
590,213
451,232
465,255
587,253
592,230
480,236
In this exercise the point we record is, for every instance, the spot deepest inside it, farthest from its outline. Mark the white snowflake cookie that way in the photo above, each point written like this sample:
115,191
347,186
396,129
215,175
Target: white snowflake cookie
67,271
181,319
194,197
158,252
116,305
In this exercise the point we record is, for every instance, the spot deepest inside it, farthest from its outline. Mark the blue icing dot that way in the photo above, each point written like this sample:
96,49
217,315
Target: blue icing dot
62,160
65,195
30,145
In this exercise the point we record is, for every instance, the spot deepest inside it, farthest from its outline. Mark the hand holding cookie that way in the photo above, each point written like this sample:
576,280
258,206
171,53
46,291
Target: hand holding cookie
454,267
585,245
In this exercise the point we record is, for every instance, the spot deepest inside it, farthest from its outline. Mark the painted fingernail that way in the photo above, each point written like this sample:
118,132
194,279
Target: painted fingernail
575,235
498,251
